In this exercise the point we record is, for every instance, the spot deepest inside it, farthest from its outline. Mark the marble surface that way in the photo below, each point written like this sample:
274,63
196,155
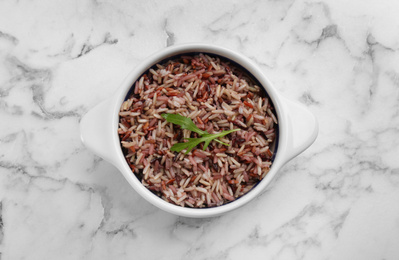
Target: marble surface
337,200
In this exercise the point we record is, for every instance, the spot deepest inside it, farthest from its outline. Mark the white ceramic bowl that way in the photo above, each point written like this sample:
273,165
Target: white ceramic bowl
298,129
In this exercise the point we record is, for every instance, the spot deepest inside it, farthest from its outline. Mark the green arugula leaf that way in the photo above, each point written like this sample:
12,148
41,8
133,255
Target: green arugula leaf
187,123
192,142
209,137
183,122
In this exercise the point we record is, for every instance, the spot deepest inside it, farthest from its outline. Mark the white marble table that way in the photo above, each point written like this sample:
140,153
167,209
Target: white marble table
338,200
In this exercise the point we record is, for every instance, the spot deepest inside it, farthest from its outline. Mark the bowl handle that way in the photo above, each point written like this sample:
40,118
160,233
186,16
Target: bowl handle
303,128
96,131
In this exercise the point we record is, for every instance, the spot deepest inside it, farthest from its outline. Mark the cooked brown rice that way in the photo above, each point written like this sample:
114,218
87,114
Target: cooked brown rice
217,96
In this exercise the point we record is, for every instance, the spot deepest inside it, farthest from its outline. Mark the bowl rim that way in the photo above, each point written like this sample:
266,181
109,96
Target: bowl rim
255,71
